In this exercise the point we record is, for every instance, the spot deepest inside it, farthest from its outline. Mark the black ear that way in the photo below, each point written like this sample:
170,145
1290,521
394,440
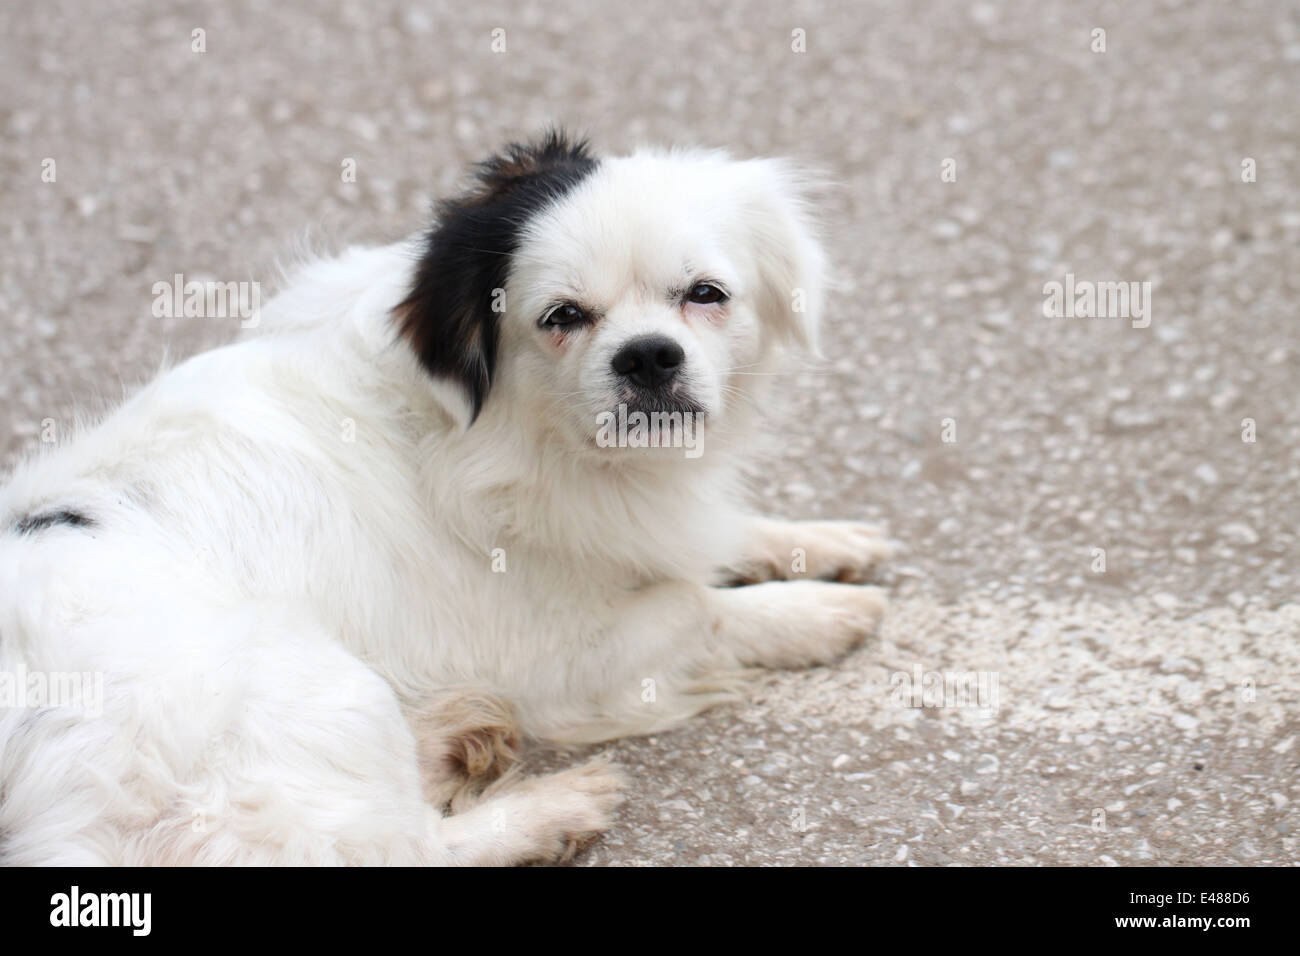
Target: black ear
449,317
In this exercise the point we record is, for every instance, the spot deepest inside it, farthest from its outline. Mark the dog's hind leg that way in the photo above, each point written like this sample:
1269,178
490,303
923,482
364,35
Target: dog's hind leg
465,739
523,819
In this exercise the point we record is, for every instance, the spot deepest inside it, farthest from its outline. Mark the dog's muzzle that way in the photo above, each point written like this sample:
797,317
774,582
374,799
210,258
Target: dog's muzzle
648,372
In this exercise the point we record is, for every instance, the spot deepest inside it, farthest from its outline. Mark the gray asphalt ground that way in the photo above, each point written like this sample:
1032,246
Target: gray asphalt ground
1145,714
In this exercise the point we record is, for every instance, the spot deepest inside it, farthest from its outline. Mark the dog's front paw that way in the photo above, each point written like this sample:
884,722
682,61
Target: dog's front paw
801,623
839,618
844,551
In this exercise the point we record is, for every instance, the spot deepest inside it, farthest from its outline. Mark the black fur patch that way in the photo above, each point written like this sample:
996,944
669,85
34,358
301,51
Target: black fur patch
47,519
448,318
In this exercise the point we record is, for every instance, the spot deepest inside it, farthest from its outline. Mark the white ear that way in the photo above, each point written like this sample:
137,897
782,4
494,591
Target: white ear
791,265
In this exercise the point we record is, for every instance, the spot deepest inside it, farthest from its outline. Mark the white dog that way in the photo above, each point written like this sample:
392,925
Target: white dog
327,578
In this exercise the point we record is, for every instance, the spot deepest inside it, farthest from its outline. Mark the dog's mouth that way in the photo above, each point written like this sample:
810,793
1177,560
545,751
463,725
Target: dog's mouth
658,401
687,408
647,419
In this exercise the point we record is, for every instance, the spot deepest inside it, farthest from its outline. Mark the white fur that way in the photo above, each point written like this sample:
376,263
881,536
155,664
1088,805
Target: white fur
271,604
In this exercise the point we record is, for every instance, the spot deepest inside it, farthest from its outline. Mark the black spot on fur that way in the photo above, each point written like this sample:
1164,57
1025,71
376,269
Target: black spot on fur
47,519
448,317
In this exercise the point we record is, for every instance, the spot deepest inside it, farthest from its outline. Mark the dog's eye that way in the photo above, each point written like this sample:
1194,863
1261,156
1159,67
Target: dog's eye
564,314
706,293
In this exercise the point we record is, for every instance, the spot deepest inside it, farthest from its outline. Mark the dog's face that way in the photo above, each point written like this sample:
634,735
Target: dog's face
651,283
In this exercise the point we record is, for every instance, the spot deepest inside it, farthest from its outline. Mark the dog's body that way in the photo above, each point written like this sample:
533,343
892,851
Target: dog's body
331,573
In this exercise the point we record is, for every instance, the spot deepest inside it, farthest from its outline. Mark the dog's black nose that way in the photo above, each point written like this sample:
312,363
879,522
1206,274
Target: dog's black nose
649,360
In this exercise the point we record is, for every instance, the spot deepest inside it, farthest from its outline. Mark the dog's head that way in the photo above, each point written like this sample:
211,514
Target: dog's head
568,286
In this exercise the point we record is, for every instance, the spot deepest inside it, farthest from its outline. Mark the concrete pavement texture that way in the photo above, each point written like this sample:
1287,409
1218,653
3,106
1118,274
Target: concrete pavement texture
1093,652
